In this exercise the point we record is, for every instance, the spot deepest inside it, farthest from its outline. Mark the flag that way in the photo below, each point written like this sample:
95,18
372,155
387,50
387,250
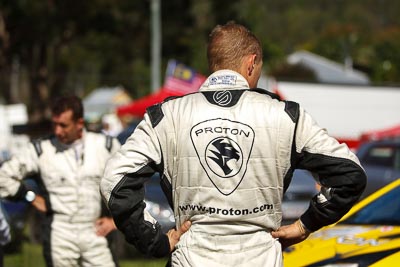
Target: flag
181,78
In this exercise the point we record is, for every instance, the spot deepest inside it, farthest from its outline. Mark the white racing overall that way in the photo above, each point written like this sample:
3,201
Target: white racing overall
226,155
71,177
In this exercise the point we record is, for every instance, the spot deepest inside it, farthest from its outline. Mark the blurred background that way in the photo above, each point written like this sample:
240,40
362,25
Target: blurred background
52,47
339,59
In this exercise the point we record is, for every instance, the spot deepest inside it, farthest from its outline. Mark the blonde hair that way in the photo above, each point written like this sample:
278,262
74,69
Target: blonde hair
228,44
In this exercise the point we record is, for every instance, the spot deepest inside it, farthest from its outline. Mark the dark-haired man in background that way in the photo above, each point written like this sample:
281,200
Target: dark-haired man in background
70,164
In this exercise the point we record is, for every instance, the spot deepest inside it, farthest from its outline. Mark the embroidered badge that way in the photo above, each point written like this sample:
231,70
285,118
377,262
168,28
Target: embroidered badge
222,98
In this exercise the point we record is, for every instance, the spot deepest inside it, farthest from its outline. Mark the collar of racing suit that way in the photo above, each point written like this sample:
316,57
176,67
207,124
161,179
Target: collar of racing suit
224,80
77,145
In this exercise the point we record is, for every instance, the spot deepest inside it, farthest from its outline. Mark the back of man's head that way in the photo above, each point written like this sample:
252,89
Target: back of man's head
65,103
228,45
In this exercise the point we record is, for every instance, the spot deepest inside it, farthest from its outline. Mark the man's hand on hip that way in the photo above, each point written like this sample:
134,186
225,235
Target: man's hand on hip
175,235
291,234
104,226
40,204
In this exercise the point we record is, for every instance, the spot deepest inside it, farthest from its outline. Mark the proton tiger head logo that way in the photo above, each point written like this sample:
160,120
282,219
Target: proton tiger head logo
223,148
224,157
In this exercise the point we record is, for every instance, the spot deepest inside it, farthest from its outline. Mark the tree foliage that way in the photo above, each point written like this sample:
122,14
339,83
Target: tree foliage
56,47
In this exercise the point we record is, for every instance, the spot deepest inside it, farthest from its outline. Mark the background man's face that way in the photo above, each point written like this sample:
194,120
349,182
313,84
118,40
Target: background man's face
66,129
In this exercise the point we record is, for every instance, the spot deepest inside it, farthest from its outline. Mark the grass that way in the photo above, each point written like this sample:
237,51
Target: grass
31,256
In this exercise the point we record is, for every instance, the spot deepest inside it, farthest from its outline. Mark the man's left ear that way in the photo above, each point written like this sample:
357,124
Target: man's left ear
251,63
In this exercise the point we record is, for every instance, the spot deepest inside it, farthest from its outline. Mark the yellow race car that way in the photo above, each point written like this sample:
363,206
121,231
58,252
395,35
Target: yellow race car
368,235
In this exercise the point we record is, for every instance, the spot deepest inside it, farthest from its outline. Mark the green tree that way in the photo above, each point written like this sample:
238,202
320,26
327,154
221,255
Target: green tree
58,47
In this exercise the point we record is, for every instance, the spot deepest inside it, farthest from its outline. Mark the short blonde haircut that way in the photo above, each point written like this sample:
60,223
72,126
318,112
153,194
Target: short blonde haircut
228,44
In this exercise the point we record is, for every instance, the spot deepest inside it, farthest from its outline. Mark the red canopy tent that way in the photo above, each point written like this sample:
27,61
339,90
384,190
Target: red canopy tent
391,132
138,107
180,80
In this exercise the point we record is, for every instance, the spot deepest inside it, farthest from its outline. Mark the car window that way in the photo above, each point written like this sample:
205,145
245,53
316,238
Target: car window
384,210
397,159
382,156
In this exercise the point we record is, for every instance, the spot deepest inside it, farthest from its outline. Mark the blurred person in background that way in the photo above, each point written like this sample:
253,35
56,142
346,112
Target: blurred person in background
111,124
70,163
227,155
5,235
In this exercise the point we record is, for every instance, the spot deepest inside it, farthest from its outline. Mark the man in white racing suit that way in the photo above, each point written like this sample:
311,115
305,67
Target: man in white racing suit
70,163
226,155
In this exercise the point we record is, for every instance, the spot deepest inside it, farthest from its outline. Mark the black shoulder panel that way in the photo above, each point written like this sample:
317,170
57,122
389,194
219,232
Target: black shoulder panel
266,92
38,146
155,113
292,109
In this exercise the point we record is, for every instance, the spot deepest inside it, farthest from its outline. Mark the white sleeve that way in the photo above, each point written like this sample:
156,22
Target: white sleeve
139,150
14,170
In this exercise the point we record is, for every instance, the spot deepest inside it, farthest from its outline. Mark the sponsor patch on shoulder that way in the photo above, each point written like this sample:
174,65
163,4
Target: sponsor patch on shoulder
223,79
